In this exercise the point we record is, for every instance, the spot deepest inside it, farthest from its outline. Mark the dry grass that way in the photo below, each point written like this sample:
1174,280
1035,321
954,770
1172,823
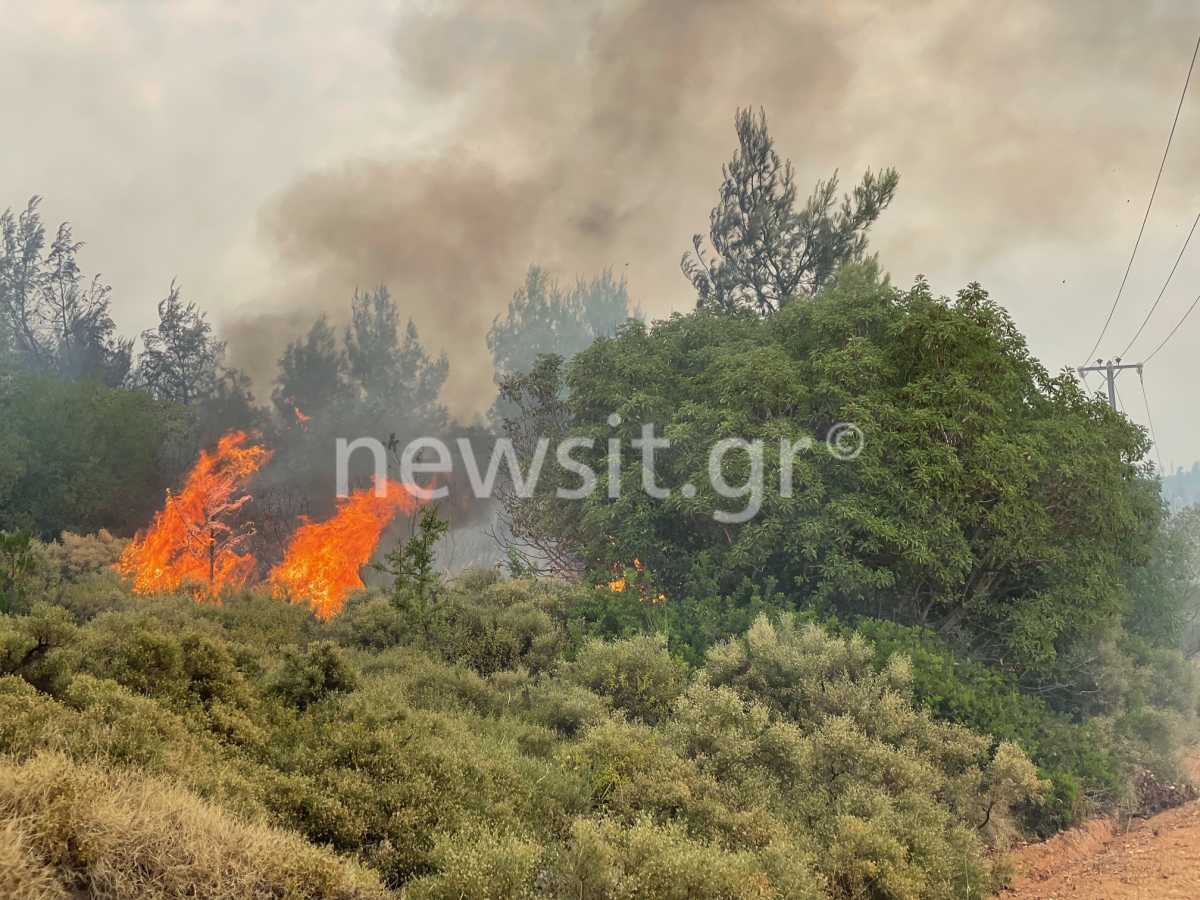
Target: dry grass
22,875
75,828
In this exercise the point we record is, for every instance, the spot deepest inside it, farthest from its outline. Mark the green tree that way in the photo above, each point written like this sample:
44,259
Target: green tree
83,456
990,500
312,373
539,534
413,563
56,320
1165,593
542,318
181,360
16,566
767,251
391,371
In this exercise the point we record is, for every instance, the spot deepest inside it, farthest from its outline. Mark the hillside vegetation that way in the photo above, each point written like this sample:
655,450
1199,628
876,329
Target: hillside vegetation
505,741
501,747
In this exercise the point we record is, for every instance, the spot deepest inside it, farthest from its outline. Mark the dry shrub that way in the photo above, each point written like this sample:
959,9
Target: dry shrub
76,555
118,836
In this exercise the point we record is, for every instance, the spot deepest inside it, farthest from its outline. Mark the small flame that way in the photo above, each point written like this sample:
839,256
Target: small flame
301,417
619,583
323,559
191,540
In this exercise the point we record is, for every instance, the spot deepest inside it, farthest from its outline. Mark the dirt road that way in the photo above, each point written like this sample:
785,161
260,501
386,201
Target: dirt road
1155,858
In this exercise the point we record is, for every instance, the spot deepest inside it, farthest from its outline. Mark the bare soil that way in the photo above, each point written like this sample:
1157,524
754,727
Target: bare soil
1150,859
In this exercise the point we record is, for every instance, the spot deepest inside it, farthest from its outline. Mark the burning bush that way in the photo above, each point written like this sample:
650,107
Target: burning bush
198,540
323,560
193,540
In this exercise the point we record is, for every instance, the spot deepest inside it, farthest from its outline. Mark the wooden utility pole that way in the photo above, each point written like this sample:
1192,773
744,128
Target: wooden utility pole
1109,370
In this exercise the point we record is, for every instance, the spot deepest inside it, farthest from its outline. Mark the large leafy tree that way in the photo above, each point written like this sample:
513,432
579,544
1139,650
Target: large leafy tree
1165,594
56,321
79,456
768,251
180,360
991,500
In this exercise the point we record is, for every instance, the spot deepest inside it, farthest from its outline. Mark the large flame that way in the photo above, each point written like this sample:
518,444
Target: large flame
322,562
191,540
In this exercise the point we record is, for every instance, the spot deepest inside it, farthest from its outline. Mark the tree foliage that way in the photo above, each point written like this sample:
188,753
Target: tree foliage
412,563
312,373
392,372
1165,593
180,360
56,321
81,456
991,500
543,318
768,252
539,534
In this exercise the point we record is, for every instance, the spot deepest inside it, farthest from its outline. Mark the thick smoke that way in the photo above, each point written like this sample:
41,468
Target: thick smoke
590,136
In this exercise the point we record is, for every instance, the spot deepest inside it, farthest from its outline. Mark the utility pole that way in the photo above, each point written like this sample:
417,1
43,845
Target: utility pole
1109,370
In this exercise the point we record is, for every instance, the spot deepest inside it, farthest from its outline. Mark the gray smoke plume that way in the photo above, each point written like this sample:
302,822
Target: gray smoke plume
589,135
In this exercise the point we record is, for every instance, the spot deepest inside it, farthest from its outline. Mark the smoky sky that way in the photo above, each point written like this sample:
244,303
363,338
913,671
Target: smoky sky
276,159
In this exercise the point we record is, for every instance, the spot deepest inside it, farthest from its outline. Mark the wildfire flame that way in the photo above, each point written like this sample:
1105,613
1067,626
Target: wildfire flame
191,541
301,417
619,583
323,559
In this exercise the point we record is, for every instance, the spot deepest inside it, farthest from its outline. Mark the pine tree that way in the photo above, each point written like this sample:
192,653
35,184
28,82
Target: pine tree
767,251
181,360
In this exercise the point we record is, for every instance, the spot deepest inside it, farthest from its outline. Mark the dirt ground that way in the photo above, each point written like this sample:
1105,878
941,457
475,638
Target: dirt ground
1154,858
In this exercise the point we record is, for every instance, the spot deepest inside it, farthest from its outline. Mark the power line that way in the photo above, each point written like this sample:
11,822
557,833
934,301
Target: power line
1170,275
1174,330
1150,419
1145,218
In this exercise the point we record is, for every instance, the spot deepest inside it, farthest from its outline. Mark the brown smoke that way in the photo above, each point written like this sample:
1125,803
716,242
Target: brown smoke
589,136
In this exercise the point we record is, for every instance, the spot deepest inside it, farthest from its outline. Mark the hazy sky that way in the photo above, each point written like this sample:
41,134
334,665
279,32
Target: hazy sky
273,156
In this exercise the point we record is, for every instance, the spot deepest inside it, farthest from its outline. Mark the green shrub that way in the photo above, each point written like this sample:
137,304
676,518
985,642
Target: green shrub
638,674
34,646
480,863
1090,762
567,708
369,622
306,676
605,860
794,763
88,596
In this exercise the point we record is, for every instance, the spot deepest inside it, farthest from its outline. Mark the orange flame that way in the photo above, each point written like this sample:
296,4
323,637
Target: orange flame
191,540
619,583
323,559
301,417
